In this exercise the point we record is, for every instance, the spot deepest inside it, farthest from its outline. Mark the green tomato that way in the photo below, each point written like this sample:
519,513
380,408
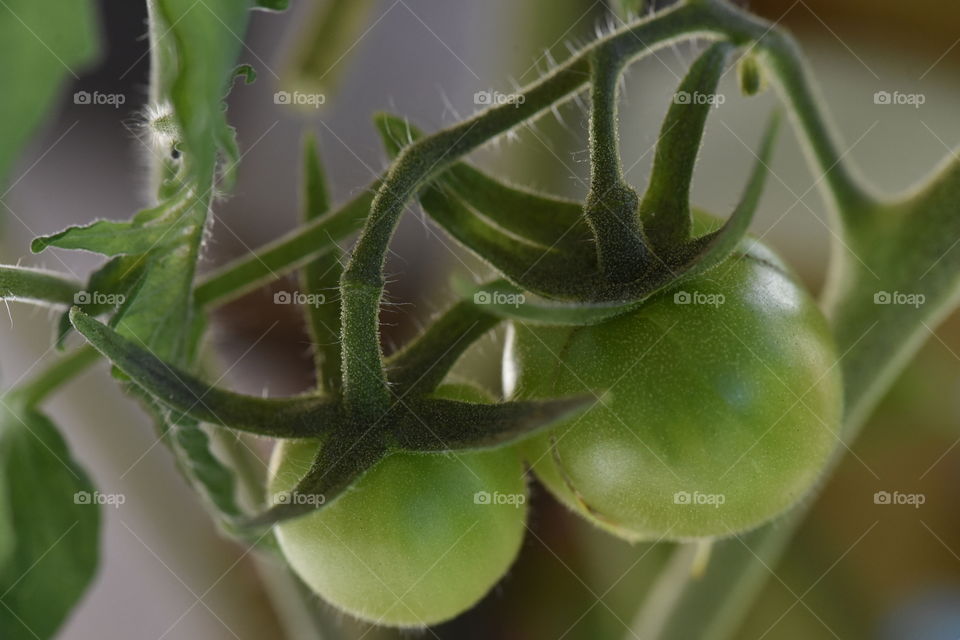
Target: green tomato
417,540
720,403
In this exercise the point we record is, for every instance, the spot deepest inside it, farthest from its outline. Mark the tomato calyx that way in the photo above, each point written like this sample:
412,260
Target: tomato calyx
616,248
353,442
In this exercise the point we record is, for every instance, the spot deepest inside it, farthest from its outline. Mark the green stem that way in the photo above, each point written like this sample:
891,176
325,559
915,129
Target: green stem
781,55
362,284
37,286
612,205
285,254
63,370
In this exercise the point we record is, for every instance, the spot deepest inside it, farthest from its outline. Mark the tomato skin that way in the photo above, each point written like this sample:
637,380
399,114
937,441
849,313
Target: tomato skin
408,545
717,417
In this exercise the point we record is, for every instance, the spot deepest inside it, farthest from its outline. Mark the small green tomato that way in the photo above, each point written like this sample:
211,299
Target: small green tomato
418,539
722,405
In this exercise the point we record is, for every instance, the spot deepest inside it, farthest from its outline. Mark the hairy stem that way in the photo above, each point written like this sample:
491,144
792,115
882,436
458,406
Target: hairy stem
611,207
363,280
37,286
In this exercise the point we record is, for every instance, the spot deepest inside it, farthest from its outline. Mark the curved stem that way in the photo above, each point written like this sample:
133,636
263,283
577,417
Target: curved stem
363,281
63,370
782,57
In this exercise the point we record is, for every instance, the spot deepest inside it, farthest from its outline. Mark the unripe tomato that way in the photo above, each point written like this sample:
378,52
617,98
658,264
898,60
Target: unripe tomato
722,405
417,540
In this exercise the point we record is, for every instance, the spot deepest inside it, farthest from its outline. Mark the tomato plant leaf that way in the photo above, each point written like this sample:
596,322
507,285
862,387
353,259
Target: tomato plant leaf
49,525
51,43
107,289
195,49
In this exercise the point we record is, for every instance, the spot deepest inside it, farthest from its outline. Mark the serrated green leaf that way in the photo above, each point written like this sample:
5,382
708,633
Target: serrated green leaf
197,47
45,44
164,242
107,237
108,288
49,526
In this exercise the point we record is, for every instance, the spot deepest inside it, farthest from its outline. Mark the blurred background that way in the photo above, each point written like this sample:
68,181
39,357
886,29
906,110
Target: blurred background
856,570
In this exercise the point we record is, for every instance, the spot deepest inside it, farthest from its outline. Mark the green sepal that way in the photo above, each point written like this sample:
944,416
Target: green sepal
665,207
339,463
184,393
494,298
549,270
536,217
709,250
422,364
439,424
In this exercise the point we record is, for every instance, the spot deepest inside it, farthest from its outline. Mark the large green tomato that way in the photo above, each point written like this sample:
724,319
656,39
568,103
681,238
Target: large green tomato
417,540
722,406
